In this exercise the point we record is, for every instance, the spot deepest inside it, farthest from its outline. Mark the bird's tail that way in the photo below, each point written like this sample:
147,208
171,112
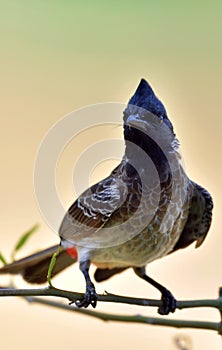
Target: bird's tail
34,268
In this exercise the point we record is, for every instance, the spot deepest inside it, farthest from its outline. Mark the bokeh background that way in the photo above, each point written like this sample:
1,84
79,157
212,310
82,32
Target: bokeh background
57,56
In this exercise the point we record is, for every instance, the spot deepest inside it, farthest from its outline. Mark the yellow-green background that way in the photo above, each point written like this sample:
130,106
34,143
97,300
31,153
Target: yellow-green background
57,56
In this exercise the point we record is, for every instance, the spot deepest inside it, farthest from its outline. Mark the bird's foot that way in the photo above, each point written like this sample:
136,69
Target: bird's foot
169,303
90,297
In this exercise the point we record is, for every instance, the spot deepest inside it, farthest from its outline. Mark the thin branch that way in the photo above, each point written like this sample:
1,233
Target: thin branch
131,319
32,296
108,297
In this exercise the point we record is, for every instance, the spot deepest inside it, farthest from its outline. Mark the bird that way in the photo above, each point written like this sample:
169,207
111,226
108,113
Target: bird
147,208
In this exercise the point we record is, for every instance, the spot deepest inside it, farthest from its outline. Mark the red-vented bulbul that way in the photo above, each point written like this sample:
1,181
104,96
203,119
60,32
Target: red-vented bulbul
145,209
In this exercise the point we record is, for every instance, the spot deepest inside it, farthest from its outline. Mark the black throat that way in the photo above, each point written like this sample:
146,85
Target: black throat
139,148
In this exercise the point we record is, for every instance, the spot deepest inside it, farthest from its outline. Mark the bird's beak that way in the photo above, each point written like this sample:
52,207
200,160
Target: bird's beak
135,121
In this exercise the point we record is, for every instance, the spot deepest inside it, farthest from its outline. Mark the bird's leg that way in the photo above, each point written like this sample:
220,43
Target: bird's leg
90,296
169,303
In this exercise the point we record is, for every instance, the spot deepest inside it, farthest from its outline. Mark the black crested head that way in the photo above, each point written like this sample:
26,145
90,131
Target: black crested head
144,102
146,125
145,98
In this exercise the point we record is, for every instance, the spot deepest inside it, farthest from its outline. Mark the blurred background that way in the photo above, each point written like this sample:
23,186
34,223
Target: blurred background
58,56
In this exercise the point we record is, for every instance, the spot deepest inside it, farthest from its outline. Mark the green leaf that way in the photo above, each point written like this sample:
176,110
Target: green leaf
2,259
21,242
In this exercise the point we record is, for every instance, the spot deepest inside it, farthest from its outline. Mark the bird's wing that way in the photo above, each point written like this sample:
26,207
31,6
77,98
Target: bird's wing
199,219
93,208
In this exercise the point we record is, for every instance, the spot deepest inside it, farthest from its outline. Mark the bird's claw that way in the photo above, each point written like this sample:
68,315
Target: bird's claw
90,298
169,303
